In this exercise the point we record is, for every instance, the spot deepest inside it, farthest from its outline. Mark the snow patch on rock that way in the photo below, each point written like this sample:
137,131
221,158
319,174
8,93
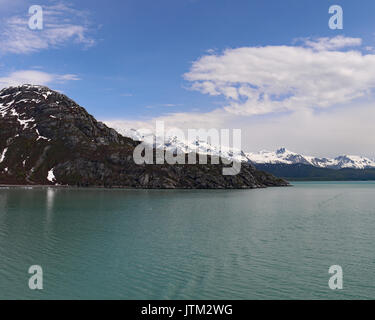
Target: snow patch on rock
2,157
51,176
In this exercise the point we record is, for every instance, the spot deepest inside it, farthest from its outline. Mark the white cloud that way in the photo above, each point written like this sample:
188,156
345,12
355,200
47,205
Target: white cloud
66,77
34,77
62,24
339,42
261,80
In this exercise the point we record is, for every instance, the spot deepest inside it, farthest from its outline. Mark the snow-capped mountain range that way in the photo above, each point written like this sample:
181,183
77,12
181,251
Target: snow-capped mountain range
284,156
281,156
173,144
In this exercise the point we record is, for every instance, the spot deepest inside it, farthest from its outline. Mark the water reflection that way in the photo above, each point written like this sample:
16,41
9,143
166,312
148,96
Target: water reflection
50,200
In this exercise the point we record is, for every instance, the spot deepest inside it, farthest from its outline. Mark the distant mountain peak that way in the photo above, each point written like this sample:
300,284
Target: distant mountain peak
281,151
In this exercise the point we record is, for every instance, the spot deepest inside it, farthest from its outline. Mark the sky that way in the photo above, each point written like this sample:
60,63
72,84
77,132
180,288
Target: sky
272,68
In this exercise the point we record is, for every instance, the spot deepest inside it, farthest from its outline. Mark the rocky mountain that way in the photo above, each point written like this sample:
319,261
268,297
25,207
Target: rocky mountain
46,139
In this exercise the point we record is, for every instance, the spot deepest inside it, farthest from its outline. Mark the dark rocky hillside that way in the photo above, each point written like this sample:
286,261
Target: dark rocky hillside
47,139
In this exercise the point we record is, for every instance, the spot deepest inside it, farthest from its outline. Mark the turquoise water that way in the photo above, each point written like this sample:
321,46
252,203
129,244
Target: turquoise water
276,243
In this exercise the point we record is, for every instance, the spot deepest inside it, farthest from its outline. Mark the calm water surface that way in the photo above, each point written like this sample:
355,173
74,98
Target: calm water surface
276,243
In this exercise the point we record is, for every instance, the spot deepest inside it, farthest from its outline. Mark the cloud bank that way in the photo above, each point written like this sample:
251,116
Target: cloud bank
314,97
34,77
62,24
261,80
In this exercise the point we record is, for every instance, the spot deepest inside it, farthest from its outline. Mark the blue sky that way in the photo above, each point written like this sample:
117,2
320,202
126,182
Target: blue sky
128,60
